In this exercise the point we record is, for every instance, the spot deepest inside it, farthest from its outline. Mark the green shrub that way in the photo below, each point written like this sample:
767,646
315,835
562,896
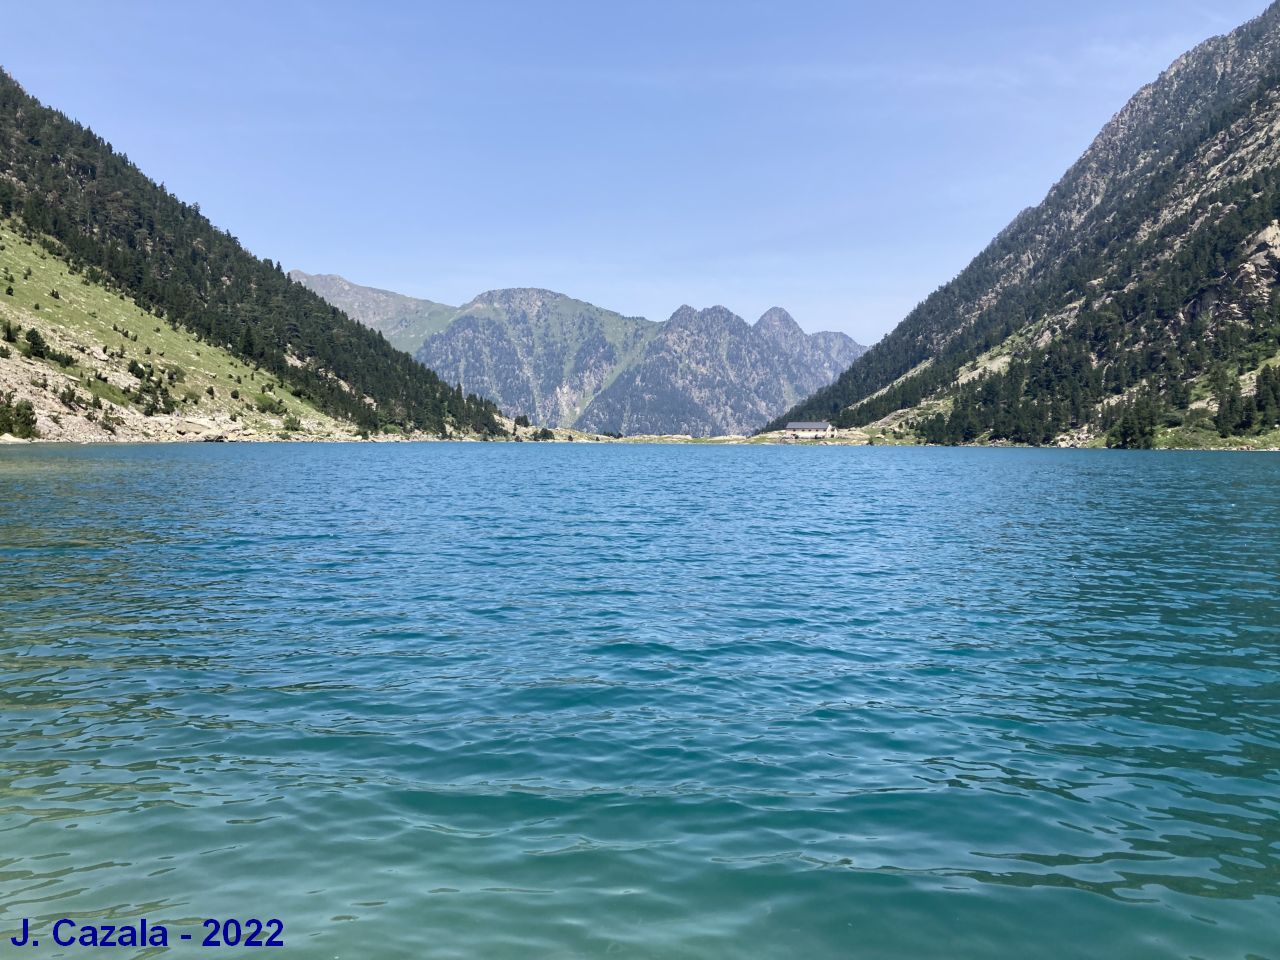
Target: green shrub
17,417
36,346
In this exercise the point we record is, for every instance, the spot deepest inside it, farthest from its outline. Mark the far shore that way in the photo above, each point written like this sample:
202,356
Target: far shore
563,436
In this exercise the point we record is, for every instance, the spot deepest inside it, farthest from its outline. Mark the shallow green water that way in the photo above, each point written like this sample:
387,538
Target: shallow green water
555,701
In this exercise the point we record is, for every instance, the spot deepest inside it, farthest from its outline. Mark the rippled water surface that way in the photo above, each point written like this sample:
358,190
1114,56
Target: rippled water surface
556,701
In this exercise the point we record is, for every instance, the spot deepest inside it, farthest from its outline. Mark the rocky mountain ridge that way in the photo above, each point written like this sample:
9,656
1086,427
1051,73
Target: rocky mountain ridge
1127,293
405,321
709,372
568,363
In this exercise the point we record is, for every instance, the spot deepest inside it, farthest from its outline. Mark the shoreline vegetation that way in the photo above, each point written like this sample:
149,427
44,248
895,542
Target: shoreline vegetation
187,430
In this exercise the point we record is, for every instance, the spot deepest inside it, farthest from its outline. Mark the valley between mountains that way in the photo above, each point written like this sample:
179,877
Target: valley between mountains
566,363
1137,306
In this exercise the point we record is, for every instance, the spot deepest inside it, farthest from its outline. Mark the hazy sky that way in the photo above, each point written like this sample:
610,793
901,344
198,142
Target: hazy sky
840,159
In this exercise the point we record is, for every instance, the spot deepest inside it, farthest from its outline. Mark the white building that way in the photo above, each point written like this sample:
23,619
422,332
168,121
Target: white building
810,430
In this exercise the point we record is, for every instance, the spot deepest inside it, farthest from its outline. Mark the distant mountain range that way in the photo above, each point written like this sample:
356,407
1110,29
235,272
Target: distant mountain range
1139,304
568,363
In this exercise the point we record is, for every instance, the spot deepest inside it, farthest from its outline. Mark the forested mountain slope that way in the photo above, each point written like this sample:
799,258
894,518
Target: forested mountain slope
1137,299
82,362
117,228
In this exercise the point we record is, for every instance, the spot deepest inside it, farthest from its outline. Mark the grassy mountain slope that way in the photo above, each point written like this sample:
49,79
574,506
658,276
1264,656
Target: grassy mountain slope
110,370
1127,305
406,322
123,230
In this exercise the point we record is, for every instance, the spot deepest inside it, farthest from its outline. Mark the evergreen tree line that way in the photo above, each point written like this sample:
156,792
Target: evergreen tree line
1127,362
89,204
1240,414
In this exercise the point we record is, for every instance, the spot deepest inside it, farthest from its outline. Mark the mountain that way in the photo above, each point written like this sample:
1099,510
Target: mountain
543,354
709,372
83,202
1136,304
566,362
405,321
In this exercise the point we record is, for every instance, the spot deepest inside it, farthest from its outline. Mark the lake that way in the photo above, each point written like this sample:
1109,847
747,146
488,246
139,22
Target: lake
527,701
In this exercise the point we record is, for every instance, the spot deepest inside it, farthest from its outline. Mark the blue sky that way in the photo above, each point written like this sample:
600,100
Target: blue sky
838,159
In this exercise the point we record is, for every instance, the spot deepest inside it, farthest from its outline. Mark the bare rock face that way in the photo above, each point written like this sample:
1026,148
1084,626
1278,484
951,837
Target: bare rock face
567,363
535,352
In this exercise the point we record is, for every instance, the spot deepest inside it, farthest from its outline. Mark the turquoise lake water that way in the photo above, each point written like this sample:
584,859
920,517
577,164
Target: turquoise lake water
558,701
